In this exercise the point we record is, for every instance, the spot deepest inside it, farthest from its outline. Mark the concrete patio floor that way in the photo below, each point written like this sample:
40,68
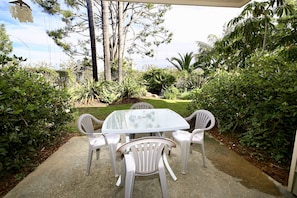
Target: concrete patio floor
227,175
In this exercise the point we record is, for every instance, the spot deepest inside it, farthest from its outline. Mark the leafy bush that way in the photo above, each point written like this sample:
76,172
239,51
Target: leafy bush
108,91
33,114
158,80
188,81
131,87
171,93
259,102
189,95
84,93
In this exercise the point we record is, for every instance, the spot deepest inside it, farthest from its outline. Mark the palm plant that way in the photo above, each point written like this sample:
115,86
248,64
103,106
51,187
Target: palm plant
184,62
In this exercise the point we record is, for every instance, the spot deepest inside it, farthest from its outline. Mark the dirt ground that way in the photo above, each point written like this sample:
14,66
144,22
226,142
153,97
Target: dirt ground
278,172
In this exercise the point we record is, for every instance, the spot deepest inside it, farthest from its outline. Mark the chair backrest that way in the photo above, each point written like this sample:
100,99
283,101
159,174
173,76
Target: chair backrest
142,105
204,119
85,123
146,152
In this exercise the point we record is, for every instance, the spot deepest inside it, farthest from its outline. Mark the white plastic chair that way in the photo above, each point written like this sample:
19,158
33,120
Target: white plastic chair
97,140
143,157
140,105
204,121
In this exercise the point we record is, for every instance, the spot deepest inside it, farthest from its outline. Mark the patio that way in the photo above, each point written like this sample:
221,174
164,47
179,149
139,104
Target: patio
226,175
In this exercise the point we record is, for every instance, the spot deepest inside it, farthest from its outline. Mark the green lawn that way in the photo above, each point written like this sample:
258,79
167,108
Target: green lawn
179,106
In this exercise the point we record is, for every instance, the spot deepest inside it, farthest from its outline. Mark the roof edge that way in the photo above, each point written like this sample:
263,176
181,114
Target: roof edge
214,3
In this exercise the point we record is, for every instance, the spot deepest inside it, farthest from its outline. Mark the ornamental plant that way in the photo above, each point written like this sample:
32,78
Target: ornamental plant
257,102
33,114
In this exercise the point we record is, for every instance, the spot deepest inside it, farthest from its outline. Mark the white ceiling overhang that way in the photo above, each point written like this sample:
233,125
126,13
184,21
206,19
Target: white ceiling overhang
215,3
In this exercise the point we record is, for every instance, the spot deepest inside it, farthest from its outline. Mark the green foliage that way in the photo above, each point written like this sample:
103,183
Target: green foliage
171,93
32,115
158,80
108,91
5,43
184,62
259,102
149,19
186,81
91,91
131,87
85,93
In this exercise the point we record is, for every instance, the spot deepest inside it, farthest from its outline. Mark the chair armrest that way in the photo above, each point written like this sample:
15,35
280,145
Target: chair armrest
94,133
190,117
98,121
195,131
105,139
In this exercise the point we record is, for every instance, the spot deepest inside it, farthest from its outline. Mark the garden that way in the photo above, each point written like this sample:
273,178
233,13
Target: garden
248,81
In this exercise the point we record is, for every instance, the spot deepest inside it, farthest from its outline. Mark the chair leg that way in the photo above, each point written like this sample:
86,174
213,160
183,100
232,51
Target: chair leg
113,156
203,154
163,181
129,175
90,156
185,146
132,136
129,183
97,153
123,172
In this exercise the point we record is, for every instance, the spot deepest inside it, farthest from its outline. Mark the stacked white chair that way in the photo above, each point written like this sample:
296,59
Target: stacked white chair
97,140
204,121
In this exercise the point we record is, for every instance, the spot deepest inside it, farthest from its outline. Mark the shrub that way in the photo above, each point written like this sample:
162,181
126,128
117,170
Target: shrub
33,114
84,93
108,91
171,93
158,80
132,87
259,102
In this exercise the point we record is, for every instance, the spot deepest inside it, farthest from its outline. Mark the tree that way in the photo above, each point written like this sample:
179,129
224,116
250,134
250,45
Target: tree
255,17
92,38
105,30
251,31
5,43
207,58
183,62
142,28
120,45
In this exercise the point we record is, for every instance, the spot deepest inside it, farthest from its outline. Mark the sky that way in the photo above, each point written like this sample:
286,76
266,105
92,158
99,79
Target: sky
188,24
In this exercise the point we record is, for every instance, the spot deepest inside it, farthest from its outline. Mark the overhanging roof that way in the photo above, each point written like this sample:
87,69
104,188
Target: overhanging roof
215,3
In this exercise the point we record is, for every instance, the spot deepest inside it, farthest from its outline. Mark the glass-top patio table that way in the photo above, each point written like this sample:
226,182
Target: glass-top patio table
145,121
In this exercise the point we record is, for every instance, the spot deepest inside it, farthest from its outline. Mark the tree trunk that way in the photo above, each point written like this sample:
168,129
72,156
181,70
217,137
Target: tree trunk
105,30
92,38
265,35
120,37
